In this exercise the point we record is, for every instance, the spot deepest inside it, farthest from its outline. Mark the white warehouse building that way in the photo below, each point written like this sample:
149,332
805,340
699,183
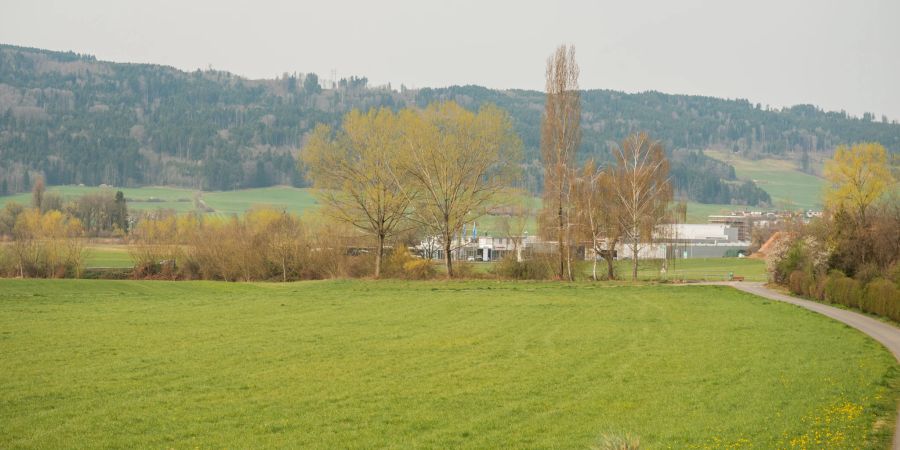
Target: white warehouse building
692,241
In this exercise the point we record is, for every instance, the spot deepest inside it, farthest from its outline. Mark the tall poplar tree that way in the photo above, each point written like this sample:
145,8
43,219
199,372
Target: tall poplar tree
560,139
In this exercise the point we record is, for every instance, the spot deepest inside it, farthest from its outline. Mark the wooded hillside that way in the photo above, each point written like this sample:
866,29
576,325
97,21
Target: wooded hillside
74,119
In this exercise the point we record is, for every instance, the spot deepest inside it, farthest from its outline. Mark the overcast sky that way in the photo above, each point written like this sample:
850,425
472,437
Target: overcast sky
838,55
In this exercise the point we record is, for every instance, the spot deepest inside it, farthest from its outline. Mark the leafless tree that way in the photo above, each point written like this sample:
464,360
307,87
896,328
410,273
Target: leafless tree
560,138
642,191
598,217
513,222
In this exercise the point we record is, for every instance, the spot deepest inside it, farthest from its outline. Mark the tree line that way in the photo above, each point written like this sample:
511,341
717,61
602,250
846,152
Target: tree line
434,169
47,236
850,256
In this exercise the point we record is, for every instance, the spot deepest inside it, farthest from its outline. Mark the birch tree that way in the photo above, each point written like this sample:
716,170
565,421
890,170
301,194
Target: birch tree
642,190
598,216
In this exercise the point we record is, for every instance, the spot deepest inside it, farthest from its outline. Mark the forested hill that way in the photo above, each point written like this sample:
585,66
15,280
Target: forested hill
74,119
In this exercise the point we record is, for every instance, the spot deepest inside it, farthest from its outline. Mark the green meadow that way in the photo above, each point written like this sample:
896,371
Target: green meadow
363,364
295,200
107,256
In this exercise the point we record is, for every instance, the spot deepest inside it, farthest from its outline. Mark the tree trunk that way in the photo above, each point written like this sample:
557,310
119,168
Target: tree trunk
594,268
378,256
283,269
634,262
447,260
559,237
610,264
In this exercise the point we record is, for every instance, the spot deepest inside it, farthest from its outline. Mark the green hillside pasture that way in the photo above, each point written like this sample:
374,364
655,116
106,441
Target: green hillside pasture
355,364
295,200
784,182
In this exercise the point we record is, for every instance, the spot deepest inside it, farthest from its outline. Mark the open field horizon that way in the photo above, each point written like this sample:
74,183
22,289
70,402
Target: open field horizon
430,364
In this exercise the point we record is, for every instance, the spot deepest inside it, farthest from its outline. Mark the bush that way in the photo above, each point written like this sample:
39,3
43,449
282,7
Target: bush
262,245
464,269
530,269
883,298
7,265
420,269
47,245
394,266
797,282
843,290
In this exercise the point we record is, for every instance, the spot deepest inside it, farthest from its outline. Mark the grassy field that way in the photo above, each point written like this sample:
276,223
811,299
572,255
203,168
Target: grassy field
107,256
182,200
705,269
784,182
355,364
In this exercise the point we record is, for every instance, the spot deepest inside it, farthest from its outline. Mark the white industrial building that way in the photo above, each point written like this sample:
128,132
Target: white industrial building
672,241
692,241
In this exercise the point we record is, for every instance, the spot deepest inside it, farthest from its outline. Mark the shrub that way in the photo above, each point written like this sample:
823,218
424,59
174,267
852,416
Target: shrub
893,273
866,273
394,266
47,245
263,244
797,282
420,269
464,269
831,286
883,298
843,290
530,269
7,266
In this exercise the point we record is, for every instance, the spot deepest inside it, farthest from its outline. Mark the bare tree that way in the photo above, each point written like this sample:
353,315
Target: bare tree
458,162
598,218
357,176
560,138
37,194
677,215
642,191
513,221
